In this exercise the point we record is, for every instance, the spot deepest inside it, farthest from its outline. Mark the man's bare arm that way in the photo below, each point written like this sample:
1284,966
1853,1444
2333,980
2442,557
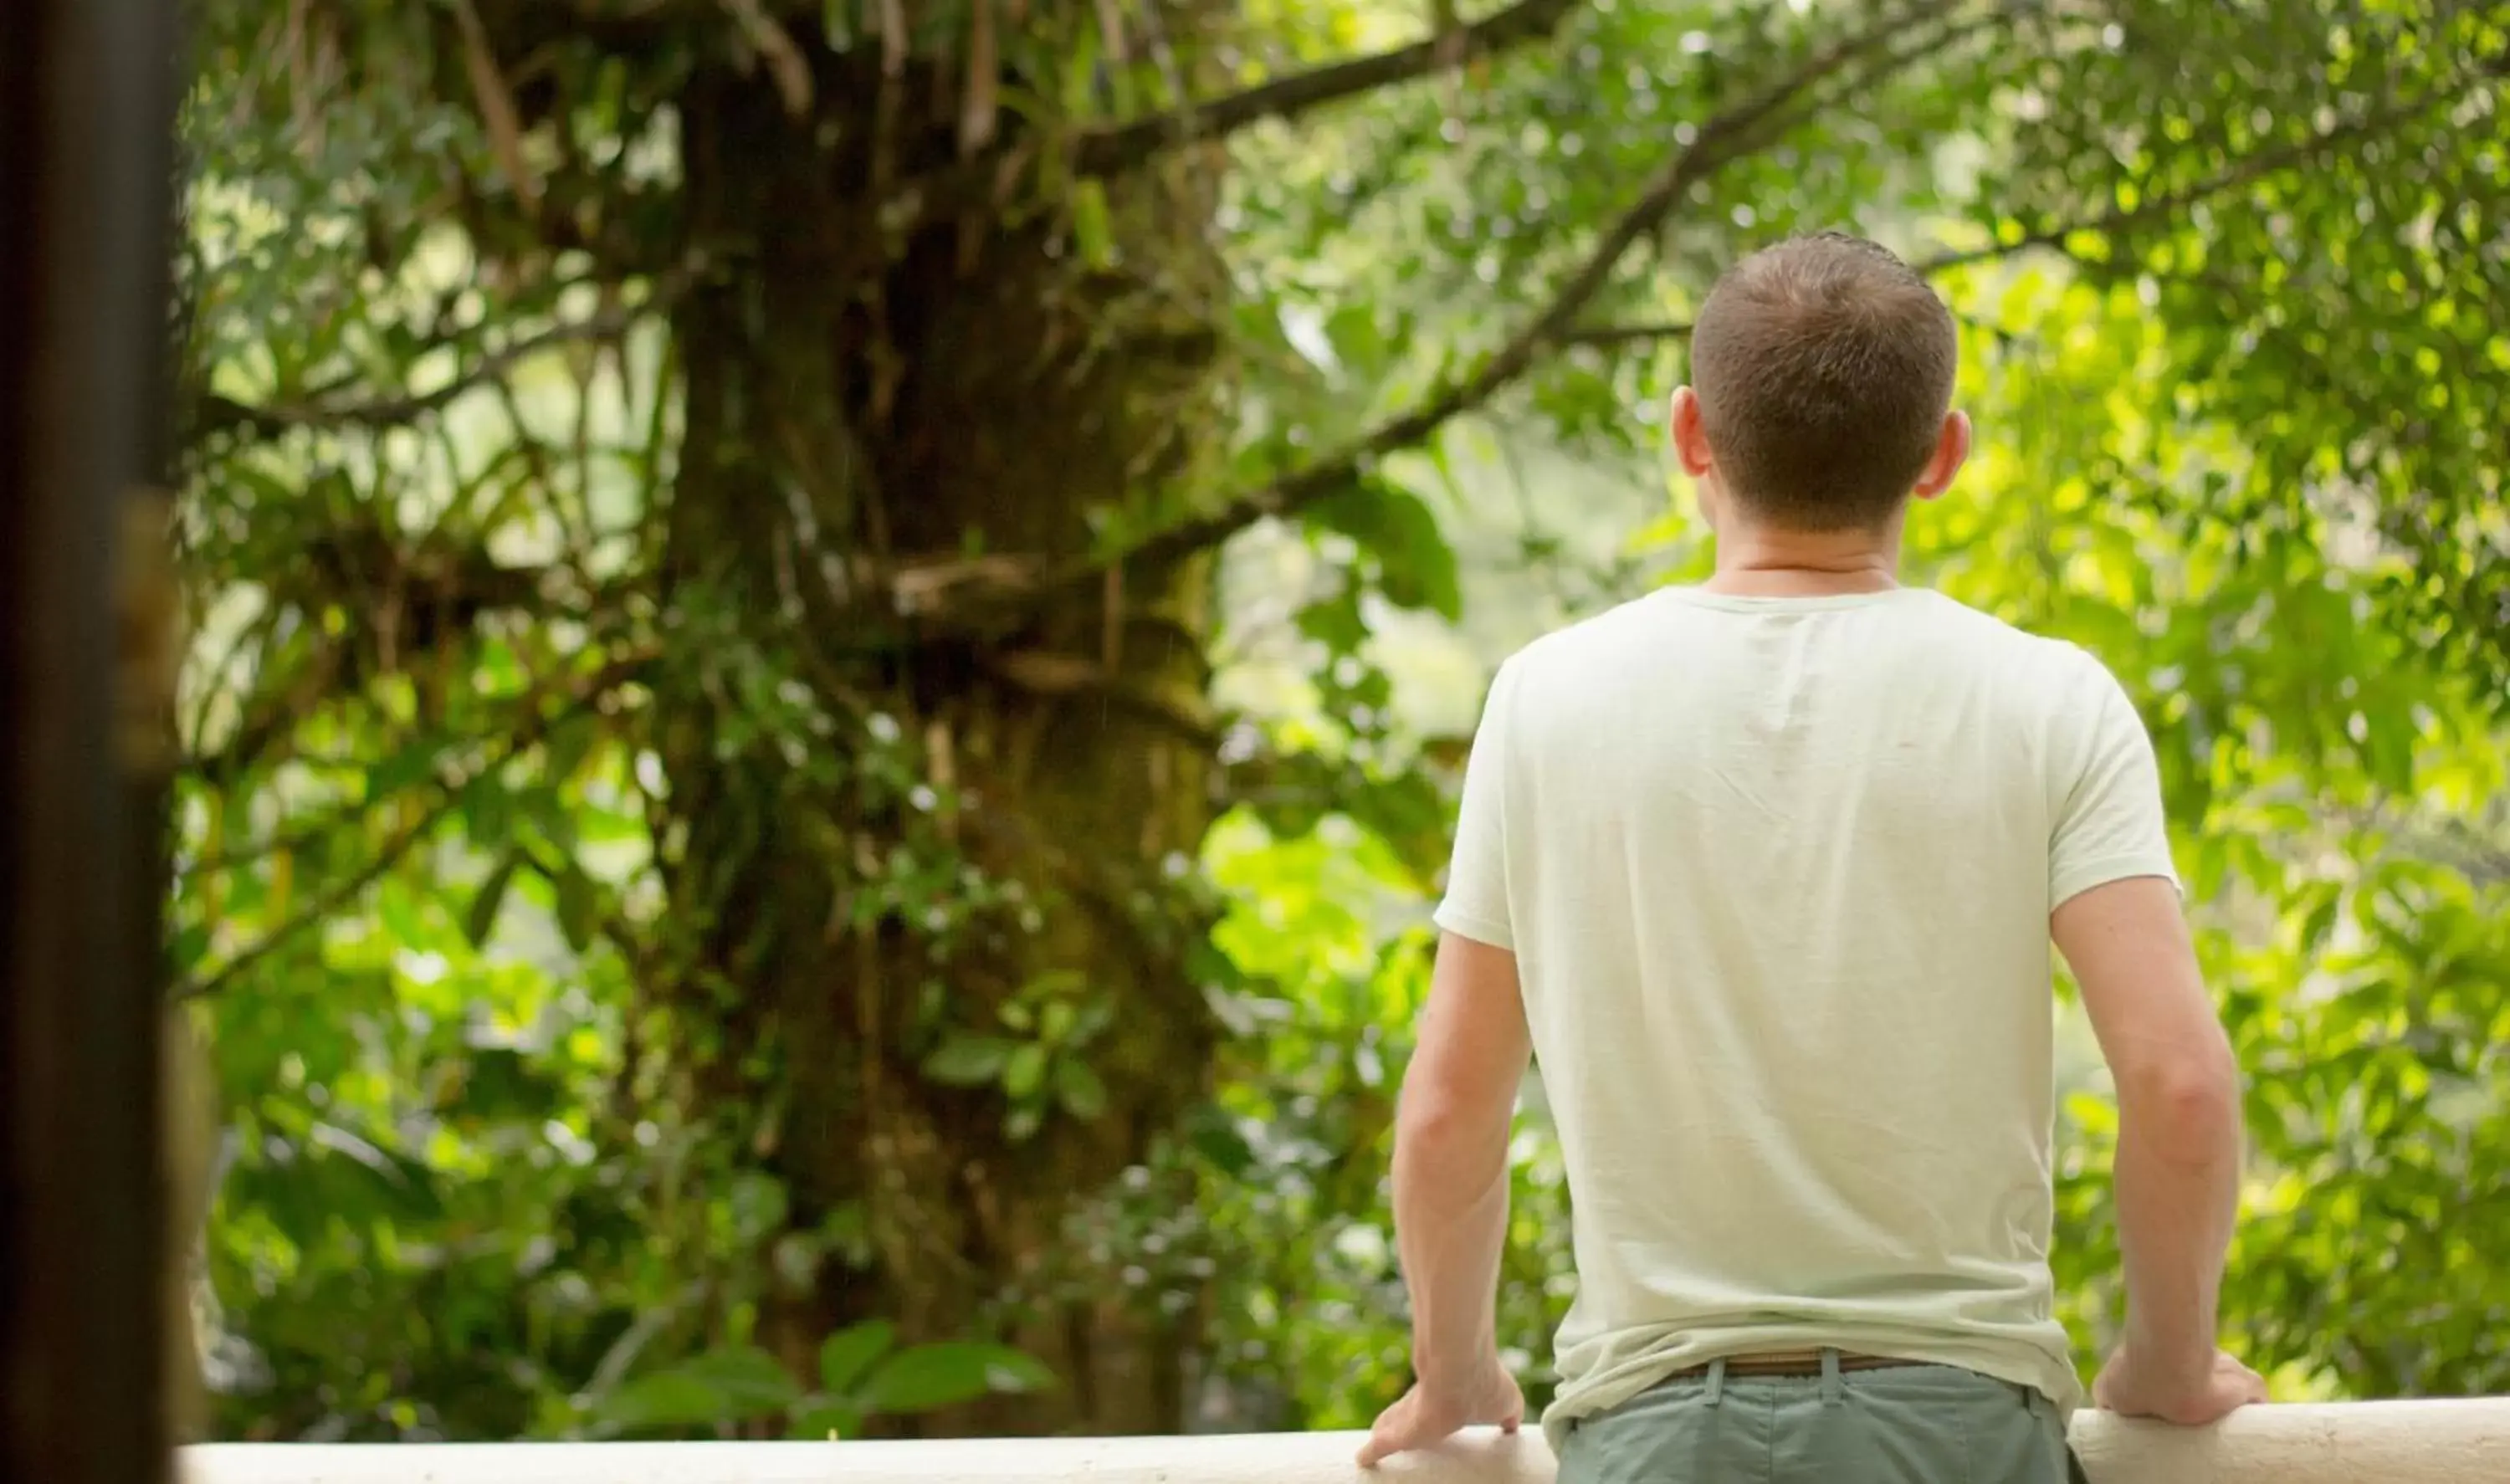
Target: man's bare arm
2179,1147
1451,1135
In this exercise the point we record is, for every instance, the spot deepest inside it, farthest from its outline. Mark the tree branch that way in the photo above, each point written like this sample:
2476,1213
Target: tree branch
224,414
1042,673
457,787
1110,151
1116,148
1614,336
1724,139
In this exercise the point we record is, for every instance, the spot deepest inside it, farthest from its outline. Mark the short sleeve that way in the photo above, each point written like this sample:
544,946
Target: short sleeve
2109,824
1476,900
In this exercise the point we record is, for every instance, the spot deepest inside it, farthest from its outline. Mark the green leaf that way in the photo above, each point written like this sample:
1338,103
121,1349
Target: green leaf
727,1386
1416,566
1093,1018
1025,1072
488,817
482,920
1083,1096
1335,621
565,748
847,1353
578,907
404,1186
1214,1135
411,765
665,1401
1359,340
933,1376
191,944
1090,228
968,1061
501,1083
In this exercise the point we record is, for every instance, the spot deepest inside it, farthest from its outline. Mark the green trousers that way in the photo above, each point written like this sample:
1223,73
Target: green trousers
1900,1425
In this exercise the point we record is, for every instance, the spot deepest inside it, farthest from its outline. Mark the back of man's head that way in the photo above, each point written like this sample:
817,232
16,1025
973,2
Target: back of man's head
1823,367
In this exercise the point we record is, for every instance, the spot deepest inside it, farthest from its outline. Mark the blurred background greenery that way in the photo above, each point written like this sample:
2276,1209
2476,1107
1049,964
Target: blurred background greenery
831,640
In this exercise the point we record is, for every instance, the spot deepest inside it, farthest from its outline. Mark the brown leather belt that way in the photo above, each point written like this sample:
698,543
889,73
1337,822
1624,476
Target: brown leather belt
1798,1365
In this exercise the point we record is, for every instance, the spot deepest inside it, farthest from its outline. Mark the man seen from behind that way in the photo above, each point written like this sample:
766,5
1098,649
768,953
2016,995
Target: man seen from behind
1764,874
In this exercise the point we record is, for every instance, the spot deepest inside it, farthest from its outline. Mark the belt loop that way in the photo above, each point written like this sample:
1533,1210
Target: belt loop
1833,1390
1716,1381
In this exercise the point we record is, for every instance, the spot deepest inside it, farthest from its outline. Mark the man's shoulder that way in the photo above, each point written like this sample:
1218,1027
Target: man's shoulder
1583,643
2046,652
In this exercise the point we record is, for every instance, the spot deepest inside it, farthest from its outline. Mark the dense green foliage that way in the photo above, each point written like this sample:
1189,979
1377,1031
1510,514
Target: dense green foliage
658,850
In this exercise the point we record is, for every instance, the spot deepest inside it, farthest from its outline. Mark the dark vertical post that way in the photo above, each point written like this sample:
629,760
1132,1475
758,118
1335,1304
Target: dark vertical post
85,112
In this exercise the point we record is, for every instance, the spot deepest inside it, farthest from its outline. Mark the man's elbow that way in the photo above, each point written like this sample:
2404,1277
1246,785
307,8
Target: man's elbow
1428,1120
2188,1102
1433,1129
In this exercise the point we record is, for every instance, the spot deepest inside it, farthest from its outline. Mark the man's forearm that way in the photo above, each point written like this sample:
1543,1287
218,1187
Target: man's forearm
1451,1226
2178,1181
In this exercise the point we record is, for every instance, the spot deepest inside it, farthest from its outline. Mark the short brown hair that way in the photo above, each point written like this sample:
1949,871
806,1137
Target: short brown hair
1823,367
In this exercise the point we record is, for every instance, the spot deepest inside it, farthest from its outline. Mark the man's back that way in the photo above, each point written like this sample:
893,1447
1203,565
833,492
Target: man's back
1778,873
1766,874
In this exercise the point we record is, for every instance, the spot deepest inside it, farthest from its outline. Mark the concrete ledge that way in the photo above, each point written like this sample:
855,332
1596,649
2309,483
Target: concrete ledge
2395,1442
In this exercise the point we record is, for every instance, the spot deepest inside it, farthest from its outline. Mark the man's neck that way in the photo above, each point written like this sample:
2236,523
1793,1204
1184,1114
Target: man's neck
1764,563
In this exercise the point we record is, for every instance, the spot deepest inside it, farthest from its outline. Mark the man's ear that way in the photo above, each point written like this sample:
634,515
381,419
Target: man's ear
1951,451
1690,436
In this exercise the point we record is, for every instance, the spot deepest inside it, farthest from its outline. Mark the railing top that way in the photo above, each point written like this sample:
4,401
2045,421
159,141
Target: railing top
2397,1443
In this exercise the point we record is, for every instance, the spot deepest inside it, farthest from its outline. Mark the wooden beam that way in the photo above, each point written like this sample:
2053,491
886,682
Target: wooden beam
86,110
2394,1442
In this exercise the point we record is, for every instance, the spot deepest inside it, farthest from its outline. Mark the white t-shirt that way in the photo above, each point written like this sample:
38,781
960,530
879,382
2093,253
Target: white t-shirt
1777,875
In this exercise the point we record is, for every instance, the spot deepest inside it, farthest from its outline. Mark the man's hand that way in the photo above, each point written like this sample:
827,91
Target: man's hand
1427,1416
2193,1398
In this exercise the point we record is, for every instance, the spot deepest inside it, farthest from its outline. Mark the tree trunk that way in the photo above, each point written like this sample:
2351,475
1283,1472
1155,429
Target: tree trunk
878,843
